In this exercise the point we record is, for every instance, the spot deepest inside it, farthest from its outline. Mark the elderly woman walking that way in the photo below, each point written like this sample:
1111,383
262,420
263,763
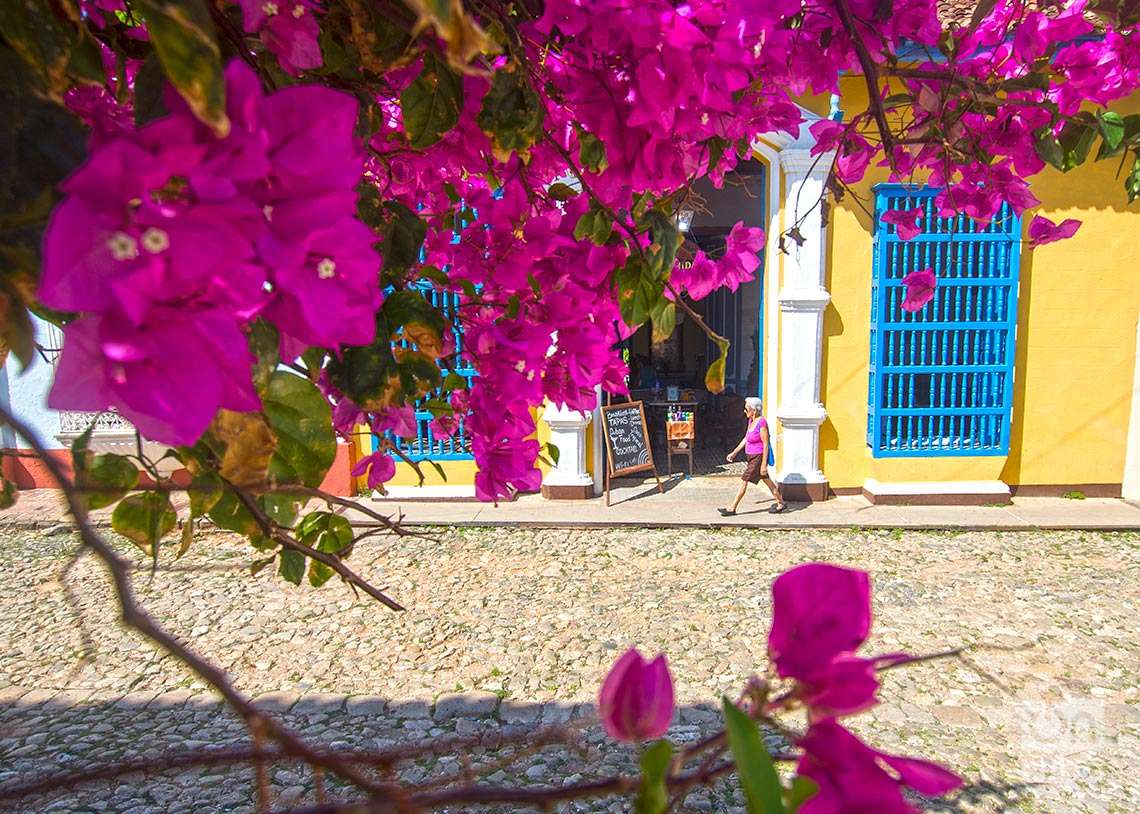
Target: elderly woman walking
755,444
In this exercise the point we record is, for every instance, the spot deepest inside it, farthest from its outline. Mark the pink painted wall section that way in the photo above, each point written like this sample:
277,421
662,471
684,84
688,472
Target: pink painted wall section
338,480
29,472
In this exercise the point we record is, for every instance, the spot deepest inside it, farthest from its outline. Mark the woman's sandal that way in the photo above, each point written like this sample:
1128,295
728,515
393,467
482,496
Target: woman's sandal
726,512
778,508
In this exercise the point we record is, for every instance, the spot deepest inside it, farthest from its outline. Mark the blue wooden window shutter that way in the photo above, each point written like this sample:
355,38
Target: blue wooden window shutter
941,379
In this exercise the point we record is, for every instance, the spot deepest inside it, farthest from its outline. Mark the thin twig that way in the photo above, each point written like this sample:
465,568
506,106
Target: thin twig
134,616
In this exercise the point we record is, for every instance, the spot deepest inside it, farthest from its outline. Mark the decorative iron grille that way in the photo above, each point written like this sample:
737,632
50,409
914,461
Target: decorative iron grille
941,378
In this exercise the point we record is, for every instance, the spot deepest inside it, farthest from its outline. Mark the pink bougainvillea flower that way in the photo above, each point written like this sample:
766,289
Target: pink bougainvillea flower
444,426
920,287
818,612
167,376
636,699
905,221
379,466
853,777
288,28
1042,230
399,420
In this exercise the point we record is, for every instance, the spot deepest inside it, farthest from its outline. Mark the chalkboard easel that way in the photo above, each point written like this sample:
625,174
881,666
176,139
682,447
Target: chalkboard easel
627,443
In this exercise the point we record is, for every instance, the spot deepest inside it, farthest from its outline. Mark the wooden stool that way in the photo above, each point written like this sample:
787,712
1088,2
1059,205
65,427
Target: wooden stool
680,440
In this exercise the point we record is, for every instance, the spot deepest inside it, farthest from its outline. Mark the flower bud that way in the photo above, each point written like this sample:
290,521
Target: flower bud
636,699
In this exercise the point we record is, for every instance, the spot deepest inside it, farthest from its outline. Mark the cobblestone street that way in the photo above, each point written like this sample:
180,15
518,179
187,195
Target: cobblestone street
507,629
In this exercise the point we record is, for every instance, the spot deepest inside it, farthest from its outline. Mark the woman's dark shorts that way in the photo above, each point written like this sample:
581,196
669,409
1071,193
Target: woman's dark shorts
752,469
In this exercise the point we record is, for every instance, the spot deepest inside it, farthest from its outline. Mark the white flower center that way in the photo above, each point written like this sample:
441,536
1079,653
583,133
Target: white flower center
155,240
704,118
270,9
123,246
298,11
267,210
326,269
520,366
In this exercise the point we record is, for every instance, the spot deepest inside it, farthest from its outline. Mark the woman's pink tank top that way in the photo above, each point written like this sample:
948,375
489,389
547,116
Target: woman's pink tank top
753,443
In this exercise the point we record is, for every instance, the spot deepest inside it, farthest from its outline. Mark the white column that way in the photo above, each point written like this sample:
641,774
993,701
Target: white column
568,478
803,299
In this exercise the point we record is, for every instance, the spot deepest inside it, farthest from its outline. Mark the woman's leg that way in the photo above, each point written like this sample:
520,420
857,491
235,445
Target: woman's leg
739,496
774,488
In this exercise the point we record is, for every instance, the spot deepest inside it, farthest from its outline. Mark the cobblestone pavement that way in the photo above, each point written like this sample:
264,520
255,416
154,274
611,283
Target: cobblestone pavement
506,629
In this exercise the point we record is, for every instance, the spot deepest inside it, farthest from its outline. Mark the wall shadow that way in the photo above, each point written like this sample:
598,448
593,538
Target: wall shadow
42,743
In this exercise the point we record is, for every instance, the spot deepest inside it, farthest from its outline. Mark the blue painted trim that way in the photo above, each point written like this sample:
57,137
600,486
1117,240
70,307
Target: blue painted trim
941,380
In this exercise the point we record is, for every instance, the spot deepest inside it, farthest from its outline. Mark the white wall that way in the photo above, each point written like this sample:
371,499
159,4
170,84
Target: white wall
25,393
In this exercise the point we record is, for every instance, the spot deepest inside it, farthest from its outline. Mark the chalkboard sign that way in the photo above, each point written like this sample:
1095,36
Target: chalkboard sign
627,442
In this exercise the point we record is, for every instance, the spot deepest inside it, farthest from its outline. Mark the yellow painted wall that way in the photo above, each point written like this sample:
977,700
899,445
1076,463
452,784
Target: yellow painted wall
1076,340
458,473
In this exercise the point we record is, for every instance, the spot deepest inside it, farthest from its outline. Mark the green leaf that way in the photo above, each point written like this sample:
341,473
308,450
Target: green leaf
205,492
431,103
229,513
187,538
762,791
8,493
653,796
591,152
291,566
802,790
319,573
552,452
1111,128
664,317
561,191
437,277
439,470
113,475
454,381
594,224
325,532
265,345
666,239
1049,149
512,112
301,419
638,291
1132,182
47,42
314,361
1076,140
257,566
403,233
182,34
981,11
714,376
144,519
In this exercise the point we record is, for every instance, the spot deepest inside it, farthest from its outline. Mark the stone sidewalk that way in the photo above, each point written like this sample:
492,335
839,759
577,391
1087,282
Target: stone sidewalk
687,503
507,628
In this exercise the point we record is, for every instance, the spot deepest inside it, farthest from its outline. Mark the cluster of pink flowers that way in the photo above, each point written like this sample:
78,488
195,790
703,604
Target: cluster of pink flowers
288,28
671,93
171,239
821,615
1004,47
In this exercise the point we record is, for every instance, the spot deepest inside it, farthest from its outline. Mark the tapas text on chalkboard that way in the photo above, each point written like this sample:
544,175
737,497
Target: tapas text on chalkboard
627,442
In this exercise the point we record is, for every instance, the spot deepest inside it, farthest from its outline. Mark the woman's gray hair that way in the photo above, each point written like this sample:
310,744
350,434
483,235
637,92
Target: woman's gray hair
754,404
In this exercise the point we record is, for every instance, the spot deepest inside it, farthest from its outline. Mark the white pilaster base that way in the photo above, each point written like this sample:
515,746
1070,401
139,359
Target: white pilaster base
568,479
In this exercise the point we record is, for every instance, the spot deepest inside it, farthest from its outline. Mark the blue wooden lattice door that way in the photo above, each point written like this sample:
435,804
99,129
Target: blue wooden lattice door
426,445
941,379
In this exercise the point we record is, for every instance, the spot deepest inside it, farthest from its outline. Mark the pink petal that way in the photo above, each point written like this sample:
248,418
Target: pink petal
819,611
922,775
